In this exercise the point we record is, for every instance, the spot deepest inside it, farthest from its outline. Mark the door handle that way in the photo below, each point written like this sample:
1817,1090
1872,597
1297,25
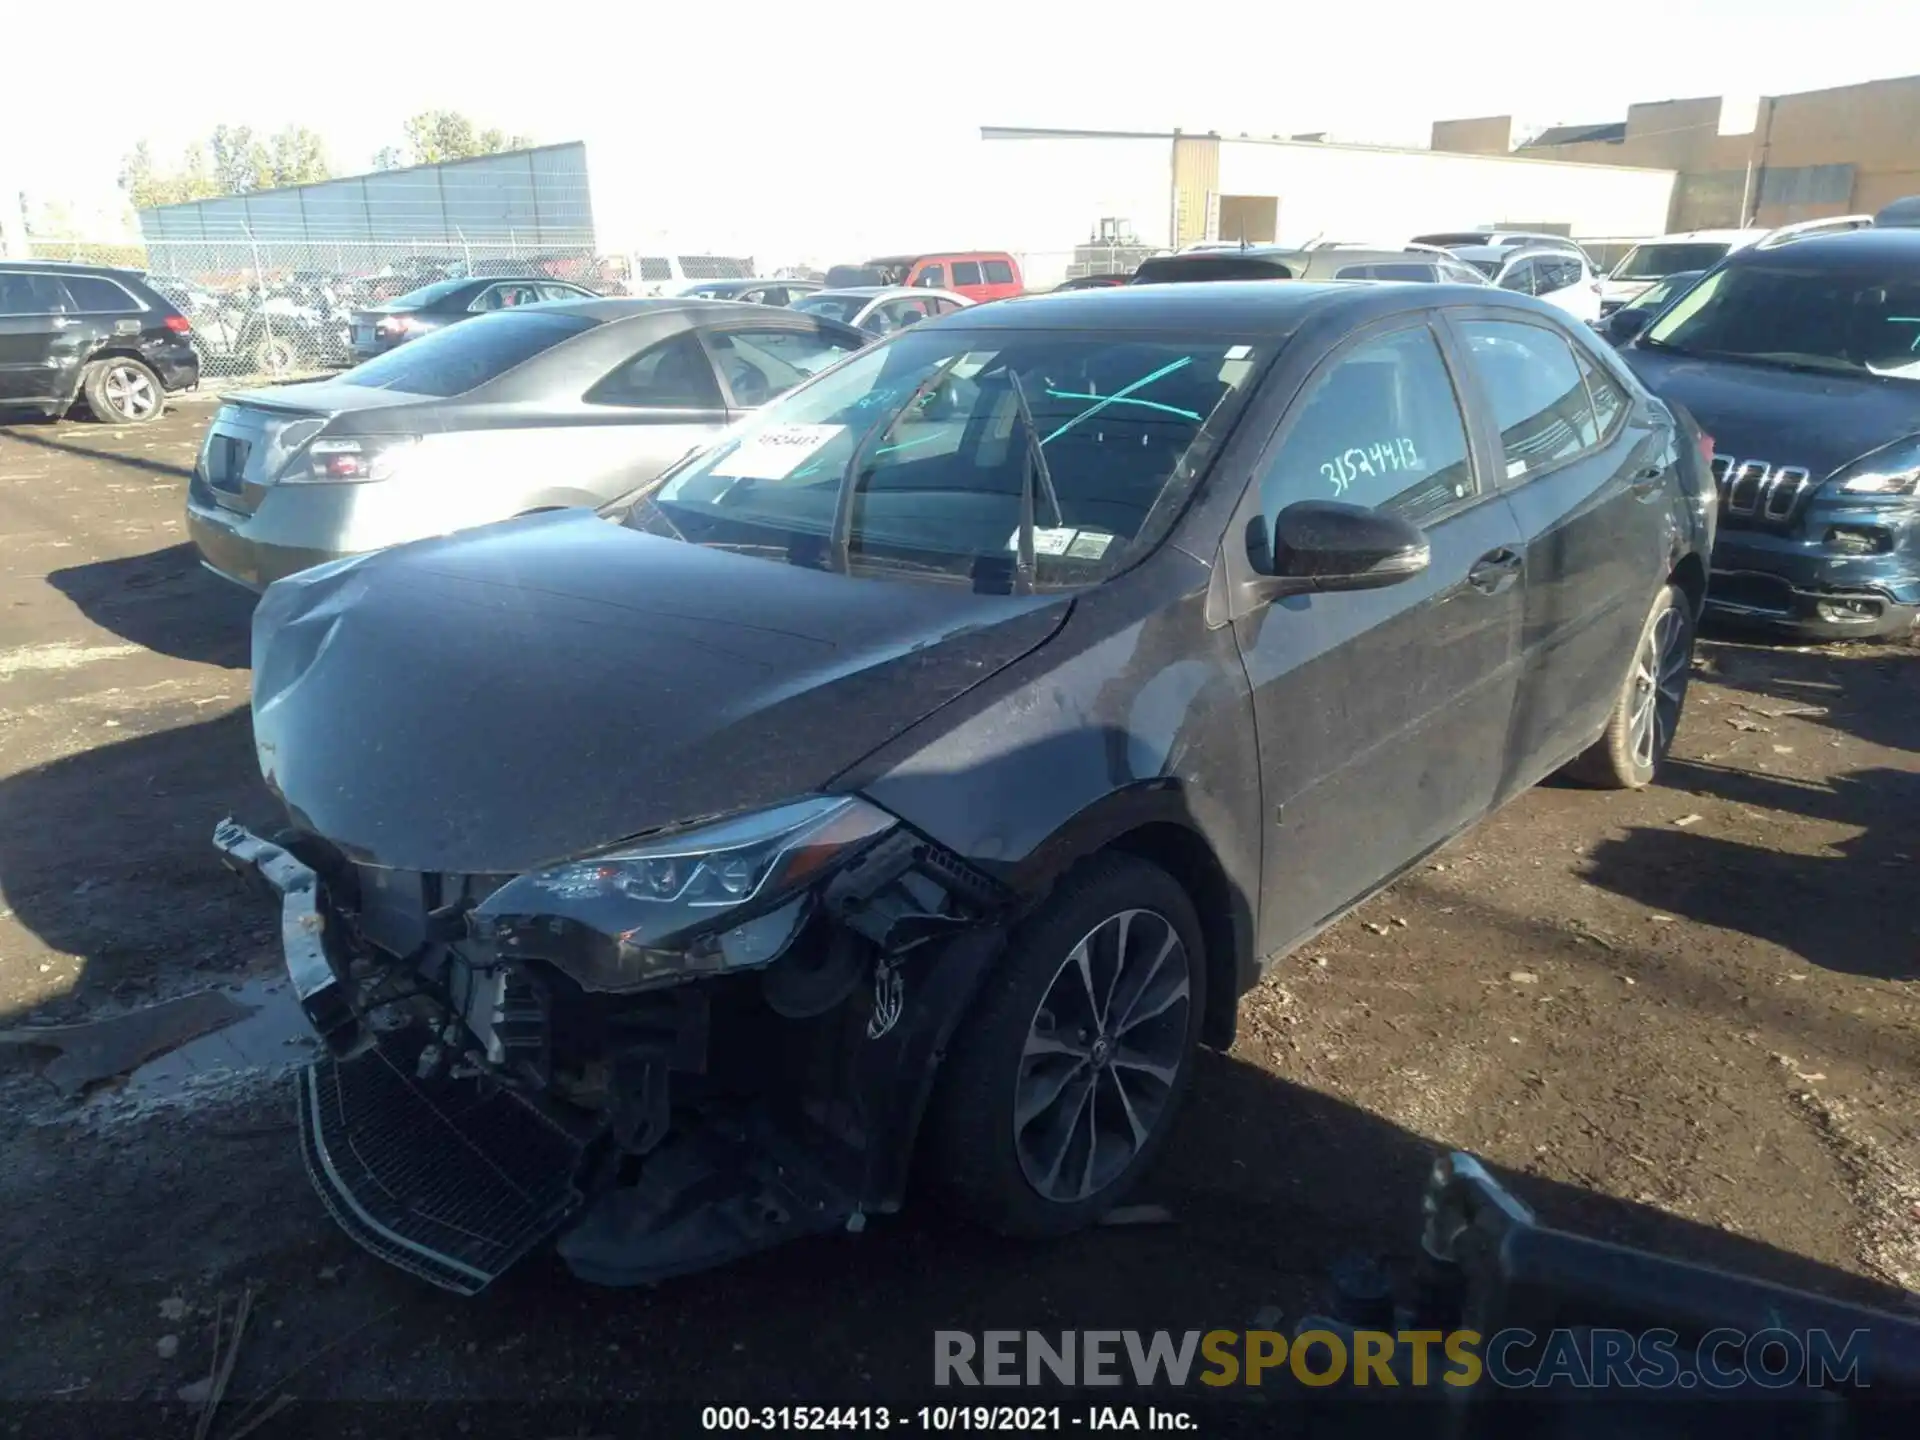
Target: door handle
61,322
1495,571
1647,482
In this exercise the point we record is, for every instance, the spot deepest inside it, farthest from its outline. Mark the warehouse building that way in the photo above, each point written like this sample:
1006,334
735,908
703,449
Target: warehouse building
1174,189
1740,160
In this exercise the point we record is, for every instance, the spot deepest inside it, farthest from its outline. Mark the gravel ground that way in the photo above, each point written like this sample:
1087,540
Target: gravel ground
1687,1017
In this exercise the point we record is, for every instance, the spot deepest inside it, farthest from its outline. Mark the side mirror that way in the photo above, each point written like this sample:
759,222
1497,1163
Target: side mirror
1625,325
1329,545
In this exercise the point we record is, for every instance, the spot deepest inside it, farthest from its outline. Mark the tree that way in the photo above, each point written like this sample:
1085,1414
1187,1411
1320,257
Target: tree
230,161
148,185
437,136
240,162
389,157
298,157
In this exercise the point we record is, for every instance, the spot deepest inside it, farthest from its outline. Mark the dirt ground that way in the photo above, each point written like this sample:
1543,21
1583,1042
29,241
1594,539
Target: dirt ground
1687,1017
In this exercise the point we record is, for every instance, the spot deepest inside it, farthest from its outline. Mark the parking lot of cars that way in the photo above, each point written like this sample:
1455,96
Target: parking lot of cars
1681,1014
1684,1016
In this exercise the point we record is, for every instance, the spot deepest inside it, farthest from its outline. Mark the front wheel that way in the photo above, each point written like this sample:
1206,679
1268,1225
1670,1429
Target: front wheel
1646,712
1062,1085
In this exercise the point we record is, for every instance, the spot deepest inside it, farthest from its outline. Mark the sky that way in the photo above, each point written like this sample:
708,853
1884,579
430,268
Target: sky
831,114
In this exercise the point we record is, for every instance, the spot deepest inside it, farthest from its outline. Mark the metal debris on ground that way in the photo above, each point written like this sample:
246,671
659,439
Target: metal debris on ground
102,1049
1685,820
1523,977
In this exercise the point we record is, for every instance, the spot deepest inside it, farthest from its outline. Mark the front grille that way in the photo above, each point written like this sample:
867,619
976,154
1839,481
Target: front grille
452,1180
1757,490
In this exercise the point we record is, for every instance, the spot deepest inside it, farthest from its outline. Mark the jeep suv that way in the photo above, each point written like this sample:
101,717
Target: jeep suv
93,333
1802,361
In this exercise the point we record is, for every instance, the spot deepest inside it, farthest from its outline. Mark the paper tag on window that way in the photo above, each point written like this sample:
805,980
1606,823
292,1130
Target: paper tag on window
1089,545
1516,468
1047,540
776,452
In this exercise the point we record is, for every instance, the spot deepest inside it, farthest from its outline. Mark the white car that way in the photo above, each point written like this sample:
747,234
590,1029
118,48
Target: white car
1562,277
881,309
1656,259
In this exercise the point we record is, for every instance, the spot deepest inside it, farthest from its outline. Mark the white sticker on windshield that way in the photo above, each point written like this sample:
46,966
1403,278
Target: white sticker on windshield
1089,545
775,452
1047,540
1238,352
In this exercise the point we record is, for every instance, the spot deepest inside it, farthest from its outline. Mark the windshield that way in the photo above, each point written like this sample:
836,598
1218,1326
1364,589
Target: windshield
455,360
1656,262
424,296
1124,427
1488,268
1661,291
1848,321
835,307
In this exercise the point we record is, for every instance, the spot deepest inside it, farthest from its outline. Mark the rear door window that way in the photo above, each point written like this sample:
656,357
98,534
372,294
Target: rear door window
933,277
1557,272
460,357
966,272
1381,427
97,295
33,295
559,292
1522,277
1610,399
1535,390
674,374
998,272
760,364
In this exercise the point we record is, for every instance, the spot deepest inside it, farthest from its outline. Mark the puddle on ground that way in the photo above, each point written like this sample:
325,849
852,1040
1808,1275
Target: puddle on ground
272,1038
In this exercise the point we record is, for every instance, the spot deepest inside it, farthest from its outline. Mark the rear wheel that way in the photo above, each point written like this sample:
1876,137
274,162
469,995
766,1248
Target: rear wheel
1063,1083
274,356
121,391
1647,711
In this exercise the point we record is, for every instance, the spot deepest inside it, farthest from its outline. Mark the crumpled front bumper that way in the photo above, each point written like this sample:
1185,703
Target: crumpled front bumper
318,973
453,1180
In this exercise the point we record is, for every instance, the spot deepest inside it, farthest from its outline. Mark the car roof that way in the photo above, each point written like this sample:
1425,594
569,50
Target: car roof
932,255
1841,249
887,292
606,309
1231,307
77,267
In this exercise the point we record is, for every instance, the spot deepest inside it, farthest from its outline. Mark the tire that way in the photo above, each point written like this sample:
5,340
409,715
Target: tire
980,1153
274,356
123,391
1641,727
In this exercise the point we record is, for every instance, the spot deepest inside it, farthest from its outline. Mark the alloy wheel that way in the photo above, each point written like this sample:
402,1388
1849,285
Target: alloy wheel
130,392
1659,686
1101,1057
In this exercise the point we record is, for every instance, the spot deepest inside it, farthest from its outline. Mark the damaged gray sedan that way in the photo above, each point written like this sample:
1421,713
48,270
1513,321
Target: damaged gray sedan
921,773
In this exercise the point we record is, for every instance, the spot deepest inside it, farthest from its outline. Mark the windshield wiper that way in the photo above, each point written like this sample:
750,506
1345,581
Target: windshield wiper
1034,466
840,537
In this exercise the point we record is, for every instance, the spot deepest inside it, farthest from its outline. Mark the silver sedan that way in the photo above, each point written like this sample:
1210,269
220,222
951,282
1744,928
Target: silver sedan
535,408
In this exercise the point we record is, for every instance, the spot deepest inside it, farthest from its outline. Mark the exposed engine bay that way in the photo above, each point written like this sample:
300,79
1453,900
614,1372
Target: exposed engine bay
673,1054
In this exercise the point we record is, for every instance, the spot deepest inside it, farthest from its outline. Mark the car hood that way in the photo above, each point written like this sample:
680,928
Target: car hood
511,696
1785,417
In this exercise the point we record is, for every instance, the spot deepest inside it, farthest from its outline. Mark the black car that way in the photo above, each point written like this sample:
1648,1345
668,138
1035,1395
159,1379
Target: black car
931,764
1626,321
90,332
444,302
1802,361
1326,262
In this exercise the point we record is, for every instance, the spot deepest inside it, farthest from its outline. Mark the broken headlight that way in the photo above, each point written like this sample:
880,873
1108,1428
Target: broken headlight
1891,470
726,896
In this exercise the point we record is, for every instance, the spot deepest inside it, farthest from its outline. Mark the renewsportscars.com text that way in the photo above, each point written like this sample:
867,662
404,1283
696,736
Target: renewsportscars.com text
1516,1359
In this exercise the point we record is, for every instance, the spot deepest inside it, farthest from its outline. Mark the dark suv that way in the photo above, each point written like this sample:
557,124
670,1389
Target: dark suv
90,332
1802,361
